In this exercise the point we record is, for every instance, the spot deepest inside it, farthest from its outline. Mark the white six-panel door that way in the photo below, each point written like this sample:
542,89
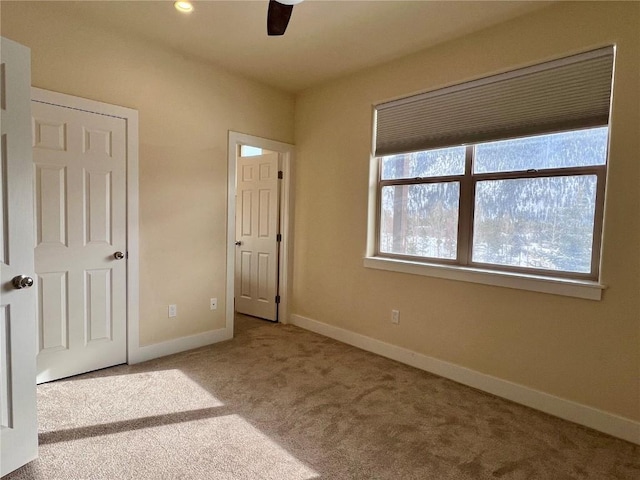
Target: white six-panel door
18,422
80,246
257,209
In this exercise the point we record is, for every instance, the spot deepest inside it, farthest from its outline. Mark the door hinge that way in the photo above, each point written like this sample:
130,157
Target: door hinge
280,175
277,298
279,237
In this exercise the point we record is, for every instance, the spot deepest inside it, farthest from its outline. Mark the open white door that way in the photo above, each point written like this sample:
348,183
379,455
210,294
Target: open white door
257,207
18,421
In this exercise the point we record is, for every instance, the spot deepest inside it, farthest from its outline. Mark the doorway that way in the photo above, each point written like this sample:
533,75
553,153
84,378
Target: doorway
85,166
257,232
259,227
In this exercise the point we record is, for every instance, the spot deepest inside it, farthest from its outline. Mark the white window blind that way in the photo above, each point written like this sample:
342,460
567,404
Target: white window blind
569,93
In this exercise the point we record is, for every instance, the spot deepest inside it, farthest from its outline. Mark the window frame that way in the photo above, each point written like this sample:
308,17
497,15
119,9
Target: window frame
466,206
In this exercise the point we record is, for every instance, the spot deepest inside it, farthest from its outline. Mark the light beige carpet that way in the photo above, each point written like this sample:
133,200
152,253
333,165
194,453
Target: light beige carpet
281,403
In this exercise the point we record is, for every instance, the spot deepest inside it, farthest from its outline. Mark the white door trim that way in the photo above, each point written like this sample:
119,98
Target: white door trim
130,116
287,152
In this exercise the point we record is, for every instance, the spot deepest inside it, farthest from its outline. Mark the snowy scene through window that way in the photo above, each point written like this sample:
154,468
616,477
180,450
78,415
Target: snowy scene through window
528,204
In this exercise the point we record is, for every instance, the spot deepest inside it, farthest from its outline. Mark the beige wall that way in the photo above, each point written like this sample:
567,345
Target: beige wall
185,111
581,350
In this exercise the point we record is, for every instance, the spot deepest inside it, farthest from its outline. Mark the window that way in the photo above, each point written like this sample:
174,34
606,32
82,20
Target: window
249,151
527,204
505,174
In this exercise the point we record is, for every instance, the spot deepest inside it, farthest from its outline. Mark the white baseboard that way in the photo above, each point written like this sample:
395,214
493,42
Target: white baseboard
600,420
149,352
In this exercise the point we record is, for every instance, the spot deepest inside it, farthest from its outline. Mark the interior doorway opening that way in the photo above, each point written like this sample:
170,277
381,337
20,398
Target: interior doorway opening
85,164
260,179
257,263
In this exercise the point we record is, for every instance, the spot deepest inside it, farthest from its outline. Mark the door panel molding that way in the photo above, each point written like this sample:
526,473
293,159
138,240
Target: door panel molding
287,156
96,143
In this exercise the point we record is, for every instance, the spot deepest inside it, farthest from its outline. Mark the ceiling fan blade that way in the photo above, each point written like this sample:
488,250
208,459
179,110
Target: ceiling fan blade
278,17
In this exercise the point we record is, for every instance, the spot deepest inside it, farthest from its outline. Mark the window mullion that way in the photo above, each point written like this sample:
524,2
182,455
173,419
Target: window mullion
378,208
465,218
548,172
596,245
420,180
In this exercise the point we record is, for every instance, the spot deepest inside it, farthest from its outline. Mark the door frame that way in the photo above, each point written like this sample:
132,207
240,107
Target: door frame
130,116
287,155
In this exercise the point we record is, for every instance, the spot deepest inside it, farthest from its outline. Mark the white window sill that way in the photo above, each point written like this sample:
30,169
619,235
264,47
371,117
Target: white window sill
556,286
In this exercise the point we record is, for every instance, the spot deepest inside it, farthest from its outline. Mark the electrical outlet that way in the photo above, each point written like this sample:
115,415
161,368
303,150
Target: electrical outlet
173,311
395,316
214,304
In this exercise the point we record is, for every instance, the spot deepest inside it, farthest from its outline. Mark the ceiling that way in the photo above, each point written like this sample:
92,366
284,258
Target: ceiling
325,39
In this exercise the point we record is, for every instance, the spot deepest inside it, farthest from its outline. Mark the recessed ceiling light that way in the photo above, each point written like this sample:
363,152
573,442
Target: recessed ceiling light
184,7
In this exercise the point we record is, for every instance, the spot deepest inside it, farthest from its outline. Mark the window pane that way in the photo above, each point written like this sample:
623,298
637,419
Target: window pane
430,163
248,151
544,223
420,220
579,148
